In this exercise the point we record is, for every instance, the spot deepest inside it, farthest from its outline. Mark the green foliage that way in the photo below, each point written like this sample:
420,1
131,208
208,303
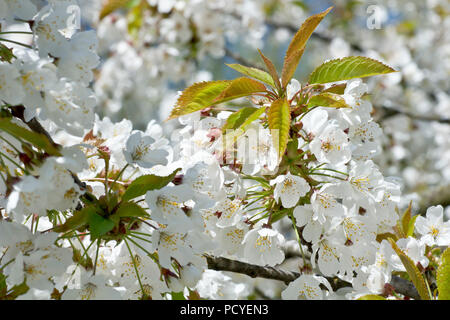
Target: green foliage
348,68
128,209
78,220
272,70
146,183
110,6
6,53
36,139
239,122
240,87
198,96
202,95
279,118
416,277
298,44
443,276
371,297
98,225
258,74
328,99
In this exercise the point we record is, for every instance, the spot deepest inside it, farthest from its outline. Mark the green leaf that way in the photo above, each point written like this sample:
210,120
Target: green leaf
254,73
146,183
17,291
178,295
443,276
238,122
128,209
79,219
337,88
6,53
240,87
198,96
279,118
348,68
37,139
411,226
205,94
414,274
98,225
406,218
328,99
371,297
272,70
110,6
298,44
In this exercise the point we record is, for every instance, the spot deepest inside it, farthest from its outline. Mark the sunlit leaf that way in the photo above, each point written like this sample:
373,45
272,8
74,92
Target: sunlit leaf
298,44
272,70
371,297
279,118
36,139
240,87
348,68
198,97
254,73
238,122
414,274
328,99
443,276
146,183
128,209
110,6
6,53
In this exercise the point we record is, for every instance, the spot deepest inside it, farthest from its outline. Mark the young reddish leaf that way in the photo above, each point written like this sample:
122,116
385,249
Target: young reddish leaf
260,75
298,44
272,70
279,118
348,68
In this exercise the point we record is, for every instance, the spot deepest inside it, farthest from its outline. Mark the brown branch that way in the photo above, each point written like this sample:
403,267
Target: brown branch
400,285
253,271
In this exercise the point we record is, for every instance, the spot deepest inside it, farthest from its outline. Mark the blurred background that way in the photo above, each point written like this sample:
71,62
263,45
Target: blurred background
151,49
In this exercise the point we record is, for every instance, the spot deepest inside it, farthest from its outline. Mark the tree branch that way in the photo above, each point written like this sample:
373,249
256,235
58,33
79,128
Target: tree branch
400,285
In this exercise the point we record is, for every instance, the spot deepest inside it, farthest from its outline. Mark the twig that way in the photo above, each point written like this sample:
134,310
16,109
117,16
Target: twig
400,285
253,271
